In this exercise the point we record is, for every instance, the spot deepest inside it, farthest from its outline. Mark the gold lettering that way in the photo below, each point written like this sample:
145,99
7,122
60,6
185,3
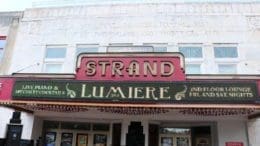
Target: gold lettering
137,91
164,90
150,69
164,71
134,68
117,66
113,92
83,91
130,92
101,92
103,65
91,68
150,93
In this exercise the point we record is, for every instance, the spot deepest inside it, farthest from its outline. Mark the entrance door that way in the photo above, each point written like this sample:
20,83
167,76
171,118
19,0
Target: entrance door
82,139
174,140
135,136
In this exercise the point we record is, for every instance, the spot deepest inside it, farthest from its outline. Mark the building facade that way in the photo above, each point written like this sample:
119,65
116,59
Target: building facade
220,43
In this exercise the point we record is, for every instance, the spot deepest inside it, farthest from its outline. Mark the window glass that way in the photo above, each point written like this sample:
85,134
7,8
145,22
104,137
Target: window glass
192,68
53,68
129,49
72,125
225,52
160,49
86,50
2,43
1,53
191,52
175,130
227,69
55,53
101,127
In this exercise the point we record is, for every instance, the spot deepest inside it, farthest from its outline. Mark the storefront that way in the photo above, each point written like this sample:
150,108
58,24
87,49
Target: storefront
133,100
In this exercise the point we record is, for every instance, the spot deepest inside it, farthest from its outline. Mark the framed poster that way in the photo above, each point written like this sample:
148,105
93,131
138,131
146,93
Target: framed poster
66,139
166,141
82,139
50,138
100,140
183,141
202,141
234,144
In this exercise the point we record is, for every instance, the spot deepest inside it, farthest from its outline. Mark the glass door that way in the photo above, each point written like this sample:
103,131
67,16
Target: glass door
183,140
175,140
66,139
167,140
82,139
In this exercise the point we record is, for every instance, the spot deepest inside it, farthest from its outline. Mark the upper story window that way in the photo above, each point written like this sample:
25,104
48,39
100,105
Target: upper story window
225,52
54,59
227,68
55,53
127,47
191,51
226,58
193,57
2,46
89,48
157,47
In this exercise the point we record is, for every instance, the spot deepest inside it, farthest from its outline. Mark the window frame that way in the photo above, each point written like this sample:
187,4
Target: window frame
193,60
226,60
61,61
157,45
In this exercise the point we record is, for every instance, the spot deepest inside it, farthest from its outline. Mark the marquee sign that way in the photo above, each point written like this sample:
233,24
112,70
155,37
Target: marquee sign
166,92
131,67
6,85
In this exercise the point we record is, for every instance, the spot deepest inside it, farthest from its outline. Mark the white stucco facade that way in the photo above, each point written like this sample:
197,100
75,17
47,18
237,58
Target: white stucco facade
169,24
206,24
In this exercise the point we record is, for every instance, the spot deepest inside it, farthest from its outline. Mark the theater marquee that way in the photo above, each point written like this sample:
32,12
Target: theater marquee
131,67
165,92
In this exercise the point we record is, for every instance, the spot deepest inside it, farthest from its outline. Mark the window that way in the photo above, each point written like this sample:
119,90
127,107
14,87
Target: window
127,47
2,46
226,58
192,69
191,51
157,47
53,68
227,68
54,59
193,57
86,49
225,52
55,53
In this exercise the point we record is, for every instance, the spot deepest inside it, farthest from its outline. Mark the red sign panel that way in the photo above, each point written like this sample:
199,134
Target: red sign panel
6,85
234,144
131,67
2,37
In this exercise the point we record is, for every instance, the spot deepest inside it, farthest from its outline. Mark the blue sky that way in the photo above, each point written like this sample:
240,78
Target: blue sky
17,5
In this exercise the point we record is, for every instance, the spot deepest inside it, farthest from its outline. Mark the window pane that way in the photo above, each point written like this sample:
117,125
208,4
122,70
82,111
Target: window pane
160,49
227,69
2,43
191,52
55,53
193,68
101,127
1,53
53,68
225,52
129,49
86,50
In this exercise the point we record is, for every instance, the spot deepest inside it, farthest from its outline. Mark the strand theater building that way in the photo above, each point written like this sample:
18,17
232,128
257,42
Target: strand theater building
129,99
